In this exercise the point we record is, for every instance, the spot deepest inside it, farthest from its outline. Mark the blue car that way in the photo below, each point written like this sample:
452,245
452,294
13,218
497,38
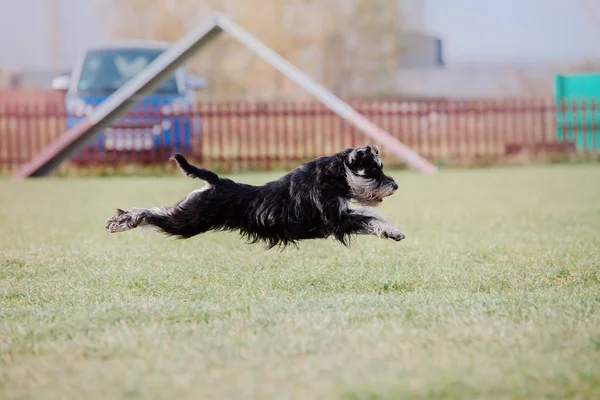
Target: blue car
158,122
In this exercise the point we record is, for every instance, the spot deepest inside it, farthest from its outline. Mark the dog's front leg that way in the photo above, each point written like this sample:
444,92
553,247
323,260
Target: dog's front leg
366,222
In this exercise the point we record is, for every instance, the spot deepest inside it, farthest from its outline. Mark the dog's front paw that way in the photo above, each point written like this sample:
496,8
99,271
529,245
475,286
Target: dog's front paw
395,235
119,222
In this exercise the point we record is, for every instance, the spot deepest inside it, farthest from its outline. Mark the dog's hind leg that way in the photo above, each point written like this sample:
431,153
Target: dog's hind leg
125,220
195,172
174,221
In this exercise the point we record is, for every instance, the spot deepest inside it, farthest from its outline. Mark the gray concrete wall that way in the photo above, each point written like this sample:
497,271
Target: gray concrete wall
481,81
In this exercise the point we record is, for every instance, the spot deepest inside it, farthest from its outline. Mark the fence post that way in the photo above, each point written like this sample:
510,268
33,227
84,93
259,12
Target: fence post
594,129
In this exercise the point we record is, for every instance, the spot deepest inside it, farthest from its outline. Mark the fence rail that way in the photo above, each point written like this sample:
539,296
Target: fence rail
238,135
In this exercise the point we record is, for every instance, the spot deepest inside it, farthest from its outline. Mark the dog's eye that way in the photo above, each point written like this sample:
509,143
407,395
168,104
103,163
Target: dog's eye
378,162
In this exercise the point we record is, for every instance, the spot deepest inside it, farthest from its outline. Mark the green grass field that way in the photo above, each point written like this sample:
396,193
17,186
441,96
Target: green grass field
495,293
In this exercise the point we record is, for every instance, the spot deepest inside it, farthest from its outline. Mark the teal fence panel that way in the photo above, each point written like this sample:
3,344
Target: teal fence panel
578,110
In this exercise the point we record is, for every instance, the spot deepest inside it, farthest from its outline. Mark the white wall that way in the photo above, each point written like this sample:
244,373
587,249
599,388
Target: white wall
25,32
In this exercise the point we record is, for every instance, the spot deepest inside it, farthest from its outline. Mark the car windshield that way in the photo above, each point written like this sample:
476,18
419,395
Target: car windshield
105,71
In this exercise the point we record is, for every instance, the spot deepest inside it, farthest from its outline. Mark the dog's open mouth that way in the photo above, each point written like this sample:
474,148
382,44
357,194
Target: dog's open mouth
373,199
371,202
387,193
382,195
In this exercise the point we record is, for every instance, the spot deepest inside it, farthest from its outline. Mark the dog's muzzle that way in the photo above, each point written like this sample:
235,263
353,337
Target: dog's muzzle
376,196
388,189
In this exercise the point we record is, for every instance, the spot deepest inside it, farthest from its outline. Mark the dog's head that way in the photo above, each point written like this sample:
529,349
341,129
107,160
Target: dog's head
364,174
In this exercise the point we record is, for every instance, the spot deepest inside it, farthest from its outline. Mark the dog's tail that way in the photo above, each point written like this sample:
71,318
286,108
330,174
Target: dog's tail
195,172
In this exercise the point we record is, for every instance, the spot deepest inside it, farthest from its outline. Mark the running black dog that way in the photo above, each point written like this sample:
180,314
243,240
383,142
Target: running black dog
310,202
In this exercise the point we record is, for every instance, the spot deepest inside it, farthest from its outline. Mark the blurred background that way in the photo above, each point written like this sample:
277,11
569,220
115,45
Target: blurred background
462,81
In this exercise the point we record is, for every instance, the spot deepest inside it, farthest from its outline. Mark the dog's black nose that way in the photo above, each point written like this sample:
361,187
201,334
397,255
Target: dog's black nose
395,186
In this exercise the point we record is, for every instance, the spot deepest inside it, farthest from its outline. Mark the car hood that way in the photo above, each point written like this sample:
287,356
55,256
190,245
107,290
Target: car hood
147,102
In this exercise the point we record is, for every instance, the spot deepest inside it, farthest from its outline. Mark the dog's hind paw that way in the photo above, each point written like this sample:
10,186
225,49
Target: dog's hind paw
120,222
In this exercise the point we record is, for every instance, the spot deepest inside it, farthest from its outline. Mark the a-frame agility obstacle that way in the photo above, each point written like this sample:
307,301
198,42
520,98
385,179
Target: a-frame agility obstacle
164,65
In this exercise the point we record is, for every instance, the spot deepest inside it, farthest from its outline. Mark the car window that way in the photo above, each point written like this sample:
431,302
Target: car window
105,71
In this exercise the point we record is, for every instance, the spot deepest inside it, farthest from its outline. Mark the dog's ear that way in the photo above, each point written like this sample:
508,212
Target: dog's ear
357,154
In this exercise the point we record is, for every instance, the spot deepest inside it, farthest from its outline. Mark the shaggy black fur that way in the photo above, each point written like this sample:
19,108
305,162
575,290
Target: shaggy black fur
310,202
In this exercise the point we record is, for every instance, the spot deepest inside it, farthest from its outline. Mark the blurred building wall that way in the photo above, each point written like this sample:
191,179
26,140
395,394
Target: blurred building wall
353,47
29,55
26,28
357,48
